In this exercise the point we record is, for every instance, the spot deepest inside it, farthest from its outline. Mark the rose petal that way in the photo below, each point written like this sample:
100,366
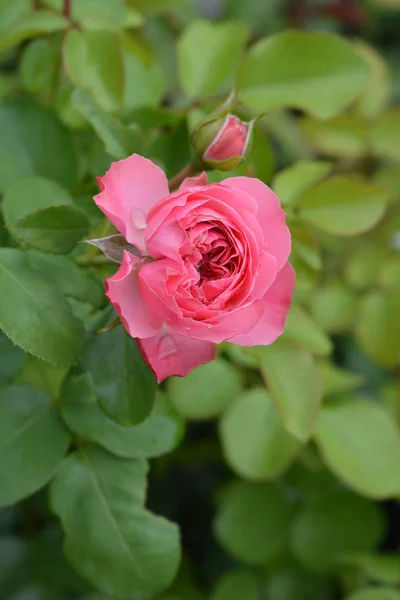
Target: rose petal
270,216
196,181
168,353
276,306
123,292
128,191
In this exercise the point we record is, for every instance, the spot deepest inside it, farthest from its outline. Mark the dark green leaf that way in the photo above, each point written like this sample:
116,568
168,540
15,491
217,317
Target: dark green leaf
375,593
33,142
111,539
237,585
12,359
34,313
33,441
156,435
124,384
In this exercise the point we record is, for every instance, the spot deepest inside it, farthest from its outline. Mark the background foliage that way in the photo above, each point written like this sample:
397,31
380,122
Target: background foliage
274,472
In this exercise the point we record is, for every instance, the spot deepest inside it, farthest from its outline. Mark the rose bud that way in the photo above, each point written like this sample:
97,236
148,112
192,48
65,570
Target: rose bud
222,143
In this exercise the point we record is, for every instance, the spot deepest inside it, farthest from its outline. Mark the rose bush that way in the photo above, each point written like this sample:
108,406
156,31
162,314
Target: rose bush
213,265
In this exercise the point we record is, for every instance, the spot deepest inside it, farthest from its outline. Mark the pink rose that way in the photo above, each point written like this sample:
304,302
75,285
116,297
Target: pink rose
213,266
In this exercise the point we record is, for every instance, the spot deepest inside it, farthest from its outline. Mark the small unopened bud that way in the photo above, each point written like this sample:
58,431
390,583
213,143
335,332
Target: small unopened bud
222,143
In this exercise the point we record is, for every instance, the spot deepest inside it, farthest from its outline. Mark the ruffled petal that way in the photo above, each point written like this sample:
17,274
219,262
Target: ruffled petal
168,353
123,292
276,306
196,181
128,191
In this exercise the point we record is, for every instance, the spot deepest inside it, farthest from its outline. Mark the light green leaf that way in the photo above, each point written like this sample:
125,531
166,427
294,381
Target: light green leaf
333,306
296,391
156,435
346,136
378,327
337,380
290,183
72,280
333,525
145,84
383,568
237,585
209,54
37,66
196,401
111,539
300,327
55,229
254,442
12,359
317,72
33,142
363,266
42,374
343,206
376,94
31,25
94,61
375,593
361,444
34,313
125,386
33,441
253,522
385,135
119,141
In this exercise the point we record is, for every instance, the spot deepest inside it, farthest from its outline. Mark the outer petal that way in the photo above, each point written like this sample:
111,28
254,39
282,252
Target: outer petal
123,292
196,181
270,216
128,191
276,306
171,354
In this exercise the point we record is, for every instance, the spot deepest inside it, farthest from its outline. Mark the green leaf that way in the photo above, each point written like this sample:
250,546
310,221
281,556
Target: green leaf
333,525
33,142
70,279
253,522
124,384
145,84
378,327
375,593
37,66
208,55
290,183
156,435
345,136
296,391
41,374
55,229
34,313
195,401
317,72
385,135
294,583
237,585
343,206
362,267
12,359
334,306
111,539
376,94
300,327
33,442
254,442
337,380
31,25
361,444
383,568
94,61
119,141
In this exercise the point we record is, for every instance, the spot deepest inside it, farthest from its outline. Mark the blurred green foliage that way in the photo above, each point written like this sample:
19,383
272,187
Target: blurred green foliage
275,471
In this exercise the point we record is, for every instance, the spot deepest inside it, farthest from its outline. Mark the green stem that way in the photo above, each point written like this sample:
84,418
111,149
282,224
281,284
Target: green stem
177,179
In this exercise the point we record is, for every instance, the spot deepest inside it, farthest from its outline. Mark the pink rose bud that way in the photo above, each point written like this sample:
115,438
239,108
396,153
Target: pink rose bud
222,143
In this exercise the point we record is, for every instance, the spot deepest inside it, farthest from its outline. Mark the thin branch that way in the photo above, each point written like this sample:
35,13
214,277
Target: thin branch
177,179
67,9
